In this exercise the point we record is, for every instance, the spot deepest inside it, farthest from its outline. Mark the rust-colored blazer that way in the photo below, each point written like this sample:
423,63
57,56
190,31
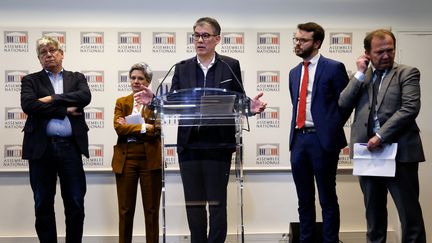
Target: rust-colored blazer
151,139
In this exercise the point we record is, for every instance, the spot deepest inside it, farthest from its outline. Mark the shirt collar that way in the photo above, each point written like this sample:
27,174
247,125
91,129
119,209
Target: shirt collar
210,64
314,60
383,73
51,74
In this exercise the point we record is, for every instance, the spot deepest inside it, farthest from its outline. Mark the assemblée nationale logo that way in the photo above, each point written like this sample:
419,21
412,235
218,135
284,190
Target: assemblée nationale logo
233,42
344,158
268,81
171,160
13,80
12,157
190,47
60,36
95,80
94,117
96,152
268,42
92,42
123,84
15,41
340,42
269,118
158,76
14,117
267,154
129,42
164,42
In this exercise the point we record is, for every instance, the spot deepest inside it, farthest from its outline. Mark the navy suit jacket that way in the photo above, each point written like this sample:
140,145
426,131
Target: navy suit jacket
185,77
330,79
76,93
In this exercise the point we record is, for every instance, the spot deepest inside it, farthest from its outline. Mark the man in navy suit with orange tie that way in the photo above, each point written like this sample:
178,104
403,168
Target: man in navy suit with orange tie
317,134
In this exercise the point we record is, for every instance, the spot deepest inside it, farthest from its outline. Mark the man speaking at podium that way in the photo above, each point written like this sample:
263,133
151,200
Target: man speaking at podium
204,165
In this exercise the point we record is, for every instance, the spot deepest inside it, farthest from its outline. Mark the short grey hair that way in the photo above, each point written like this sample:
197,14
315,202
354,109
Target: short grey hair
47,41
145,68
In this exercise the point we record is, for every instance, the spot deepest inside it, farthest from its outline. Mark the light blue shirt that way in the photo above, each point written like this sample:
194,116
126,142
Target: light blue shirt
58,127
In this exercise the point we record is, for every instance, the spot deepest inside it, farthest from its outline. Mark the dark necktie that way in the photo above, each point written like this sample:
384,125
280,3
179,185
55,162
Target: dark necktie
375,89
301,114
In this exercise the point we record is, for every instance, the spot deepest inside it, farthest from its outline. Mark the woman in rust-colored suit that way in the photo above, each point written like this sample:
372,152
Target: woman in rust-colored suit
137,158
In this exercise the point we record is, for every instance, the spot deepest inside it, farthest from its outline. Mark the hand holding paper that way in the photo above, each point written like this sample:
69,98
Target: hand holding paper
379,162
134,119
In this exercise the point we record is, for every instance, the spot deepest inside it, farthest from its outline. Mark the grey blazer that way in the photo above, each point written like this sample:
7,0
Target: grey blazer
398,104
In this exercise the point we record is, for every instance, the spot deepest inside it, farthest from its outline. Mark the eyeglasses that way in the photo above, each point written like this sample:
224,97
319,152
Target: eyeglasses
204,36
300,40
45,52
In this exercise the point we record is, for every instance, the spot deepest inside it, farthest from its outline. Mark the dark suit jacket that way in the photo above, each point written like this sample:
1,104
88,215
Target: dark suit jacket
76,93
151,139
185,78
398,104
330,79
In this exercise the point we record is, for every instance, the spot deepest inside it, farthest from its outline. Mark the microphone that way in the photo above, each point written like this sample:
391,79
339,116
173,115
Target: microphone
152,103
166,75
232,72
245,98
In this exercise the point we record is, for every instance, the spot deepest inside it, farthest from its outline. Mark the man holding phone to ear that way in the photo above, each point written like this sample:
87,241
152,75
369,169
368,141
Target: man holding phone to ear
386,99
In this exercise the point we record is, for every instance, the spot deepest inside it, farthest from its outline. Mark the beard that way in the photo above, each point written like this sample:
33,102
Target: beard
304,52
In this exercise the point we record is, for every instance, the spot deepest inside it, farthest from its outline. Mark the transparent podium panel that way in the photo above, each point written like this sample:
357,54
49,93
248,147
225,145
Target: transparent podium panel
202,158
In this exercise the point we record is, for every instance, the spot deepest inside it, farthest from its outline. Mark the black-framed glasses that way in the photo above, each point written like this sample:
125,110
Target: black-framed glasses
45,52
204,36
301,40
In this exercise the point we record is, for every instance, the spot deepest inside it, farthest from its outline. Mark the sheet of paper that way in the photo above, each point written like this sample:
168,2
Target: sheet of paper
134,119
377,163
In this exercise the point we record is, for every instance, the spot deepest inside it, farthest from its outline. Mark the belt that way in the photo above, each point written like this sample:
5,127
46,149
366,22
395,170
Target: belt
134,140
57,139
306,130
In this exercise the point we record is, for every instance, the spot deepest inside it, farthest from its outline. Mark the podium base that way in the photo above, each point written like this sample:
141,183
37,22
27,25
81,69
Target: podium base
294,232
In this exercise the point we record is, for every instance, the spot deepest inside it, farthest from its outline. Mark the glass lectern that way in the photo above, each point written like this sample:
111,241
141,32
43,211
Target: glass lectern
199,107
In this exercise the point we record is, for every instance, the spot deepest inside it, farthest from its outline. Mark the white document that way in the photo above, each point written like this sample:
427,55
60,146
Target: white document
134,119
381,162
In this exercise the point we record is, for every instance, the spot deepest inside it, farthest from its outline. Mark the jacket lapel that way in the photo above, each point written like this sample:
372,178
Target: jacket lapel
46,82
296,83
218,72
369,83
322,62
385,84
128,106
67,82
191,73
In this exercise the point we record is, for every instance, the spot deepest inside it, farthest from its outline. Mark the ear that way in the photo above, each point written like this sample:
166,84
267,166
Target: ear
218,39
317,44
367,54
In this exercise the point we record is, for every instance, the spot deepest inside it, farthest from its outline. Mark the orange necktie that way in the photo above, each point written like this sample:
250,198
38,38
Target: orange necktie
301,115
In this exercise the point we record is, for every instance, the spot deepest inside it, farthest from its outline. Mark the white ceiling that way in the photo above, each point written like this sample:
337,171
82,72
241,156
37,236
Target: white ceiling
230,13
